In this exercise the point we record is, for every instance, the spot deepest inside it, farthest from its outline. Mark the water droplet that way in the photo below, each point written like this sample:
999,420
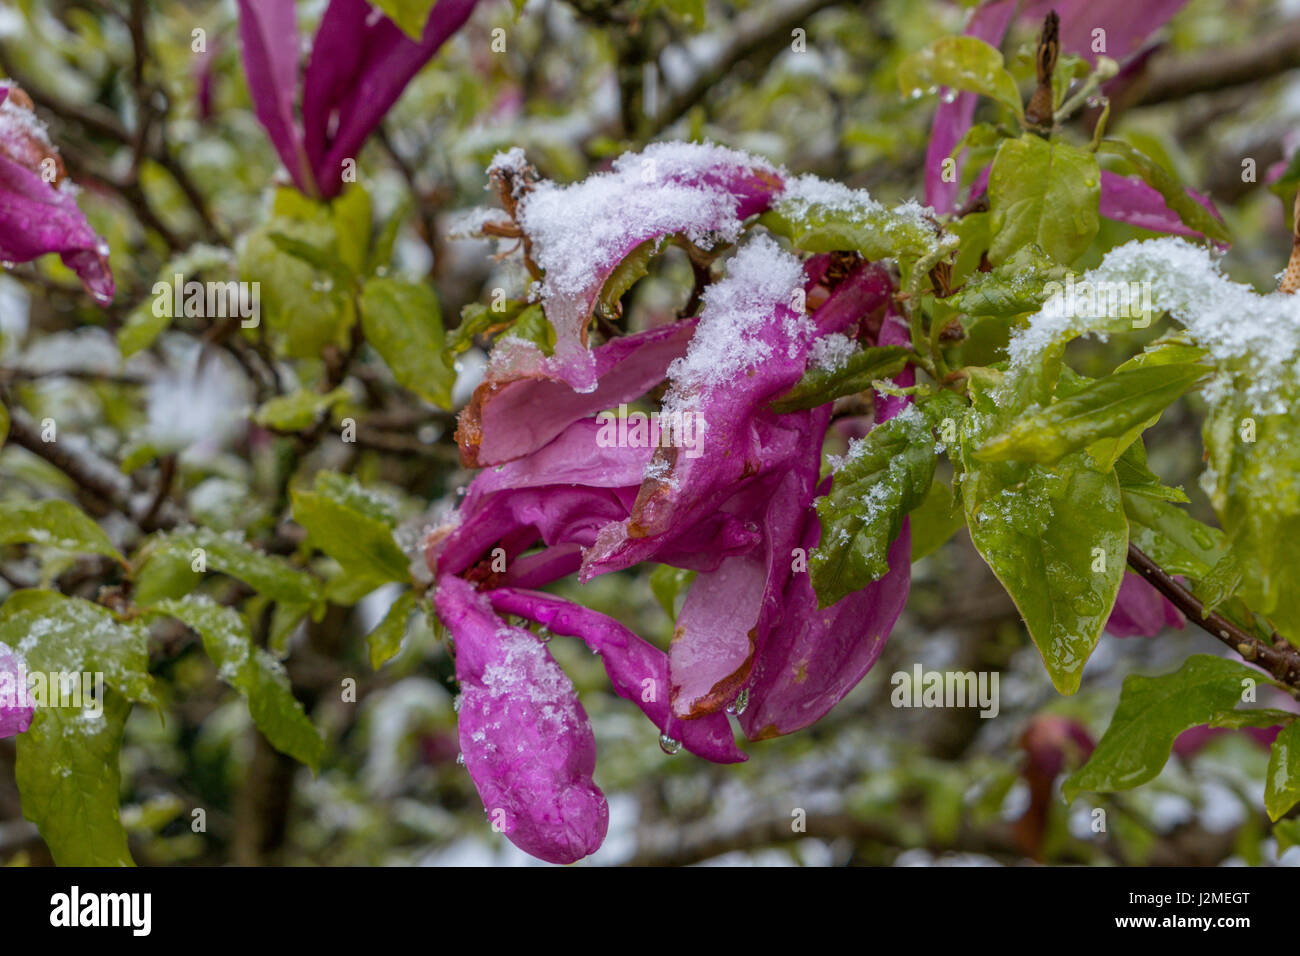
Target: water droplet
460,759
949,96
544,634
381,271
914,93
1093,102
739,705
668,745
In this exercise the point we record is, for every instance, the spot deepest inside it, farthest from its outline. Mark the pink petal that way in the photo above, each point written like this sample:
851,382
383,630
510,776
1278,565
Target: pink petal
525,737
268,33
638,670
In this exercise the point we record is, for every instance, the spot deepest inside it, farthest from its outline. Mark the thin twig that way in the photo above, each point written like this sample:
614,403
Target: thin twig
1280,658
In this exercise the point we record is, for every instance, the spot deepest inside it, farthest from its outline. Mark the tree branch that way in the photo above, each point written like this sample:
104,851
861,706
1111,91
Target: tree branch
1280,658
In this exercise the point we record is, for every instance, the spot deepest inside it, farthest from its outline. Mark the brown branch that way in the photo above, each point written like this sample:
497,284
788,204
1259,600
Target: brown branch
1279,658
1260,59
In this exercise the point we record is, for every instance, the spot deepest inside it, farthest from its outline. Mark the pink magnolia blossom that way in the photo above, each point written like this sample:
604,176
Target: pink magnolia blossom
1141,611
360,63
38,206
736,507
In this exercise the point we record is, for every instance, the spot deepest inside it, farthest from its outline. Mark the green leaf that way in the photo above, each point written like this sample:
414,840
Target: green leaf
321,259
821,385
532,326
867,227
1250,477
1056,538
635,265
358,541
935,520
1106,407
297,410
386,639
1022,284
1043,193
1282,780
886,474
409,15
1175,195
68,771
403,324
960,63
230,554
54,523
1136,478
1171,537
666,583
1287,833
1152,712
254,673
64,635
305,308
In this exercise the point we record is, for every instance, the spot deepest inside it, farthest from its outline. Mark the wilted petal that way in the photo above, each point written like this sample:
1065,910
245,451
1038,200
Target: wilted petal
38,206
16,705
268,33
638,670
526,740
360,64
512,417
1140,610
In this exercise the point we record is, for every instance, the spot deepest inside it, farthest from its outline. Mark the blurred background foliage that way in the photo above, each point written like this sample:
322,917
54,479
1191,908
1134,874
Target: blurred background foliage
578,83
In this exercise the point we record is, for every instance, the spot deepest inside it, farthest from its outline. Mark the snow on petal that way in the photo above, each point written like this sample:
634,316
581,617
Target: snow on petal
579,233
525,737
637,669
38,206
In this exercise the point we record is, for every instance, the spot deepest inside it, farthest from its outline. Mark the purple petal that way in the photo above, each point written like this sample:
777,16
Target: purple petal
268,33
951,120
360,64
1140,610
16,705
813,656
1124,199
526,740
638,670
510,418
39,213
1126,24
1195,739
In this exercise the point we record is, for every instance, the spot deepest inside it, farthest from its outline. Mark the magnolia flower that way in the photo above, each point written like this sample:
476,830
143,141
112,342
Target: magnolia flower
1088,28
38,206
736,508
360,63
16,707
